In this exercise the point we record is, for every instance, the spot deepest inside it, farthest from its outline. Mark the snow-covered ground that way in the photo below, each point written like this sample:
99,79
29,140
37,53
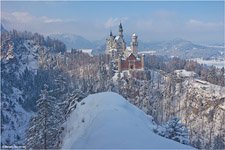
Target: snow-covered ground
185,73
107,120
14,131
88,51
147,52
217,63
15,119
208,88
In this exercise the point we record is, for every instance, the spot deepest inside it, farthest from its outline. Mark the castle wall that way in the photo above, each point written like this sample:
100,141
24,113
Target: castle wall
131,63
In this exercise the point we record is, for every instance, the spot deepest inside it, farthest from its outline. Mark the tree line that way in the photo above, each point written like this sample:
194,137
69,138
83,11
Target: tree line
211,74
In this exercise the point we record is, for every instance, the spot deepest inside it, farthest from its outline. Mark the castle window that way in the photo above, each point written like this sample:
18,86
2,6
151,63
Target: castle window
131,66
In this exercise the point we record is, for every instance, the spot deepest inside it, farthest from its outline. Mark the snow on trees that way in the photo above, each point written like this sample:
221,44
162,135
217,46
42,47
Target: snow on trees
219,142
71,101
174,130
44,125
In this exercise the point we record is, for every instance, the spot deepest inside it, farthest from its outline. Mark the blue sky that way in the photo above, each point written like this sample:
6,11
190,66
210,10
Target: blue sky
201,21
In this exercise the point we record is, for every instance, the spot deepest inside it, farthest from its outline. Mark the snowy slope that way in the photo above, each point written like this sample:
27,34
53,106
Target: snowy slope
14,94
15,119
107,120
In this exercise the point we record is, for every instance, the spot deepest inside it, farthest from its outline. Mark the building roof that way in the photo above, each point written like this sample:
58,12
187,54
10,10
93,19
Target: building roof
113,49
131,56
117,37
128,48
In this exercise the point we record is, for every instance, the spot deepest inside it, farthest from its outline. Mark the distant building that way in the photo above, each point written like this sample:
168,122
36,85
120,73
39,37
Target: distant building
185,74
125,58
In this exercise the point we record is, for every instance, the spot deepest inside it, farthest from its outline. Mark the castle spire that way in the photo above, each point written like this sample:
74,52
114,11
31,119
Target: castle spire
110,33
120,30
120,27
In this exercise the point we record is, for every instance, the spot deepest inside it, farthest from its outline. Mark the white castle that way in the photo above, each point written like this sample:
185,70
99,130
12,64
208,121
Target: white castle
126,58
116,45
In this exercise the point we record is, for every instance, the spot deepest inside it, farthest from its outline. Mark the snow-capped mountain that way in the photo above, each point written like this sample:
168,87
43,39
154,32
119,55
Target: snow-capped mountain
182,48
108,121
74,41
174,48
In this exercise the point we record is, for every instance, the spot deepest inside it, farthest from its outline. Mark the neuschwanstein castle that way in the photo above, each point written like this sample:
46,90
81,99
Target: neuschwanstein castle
125,58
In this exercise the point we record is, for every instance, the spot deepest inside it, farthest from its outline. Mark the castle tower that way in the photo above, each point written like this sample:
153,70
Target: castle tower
109,43
111,37
134,44
120,30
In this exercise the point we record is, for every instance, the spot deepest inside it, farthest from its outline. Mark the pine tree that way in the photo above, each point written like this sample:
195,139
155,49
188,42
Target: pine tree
222,77
61,87
72,100
42,132
144,95
102,75
174,130
219,142
33,139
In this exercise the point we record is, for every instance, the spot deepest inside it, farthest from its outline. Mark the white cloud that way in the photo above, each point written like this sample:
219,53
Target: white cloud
23,17
50,20
160,25
26,21
112,22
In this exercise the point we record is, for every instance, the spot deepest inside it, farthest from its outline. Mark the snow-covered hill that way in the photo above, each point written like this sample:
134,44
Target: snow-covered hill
22,54
107,120
18,67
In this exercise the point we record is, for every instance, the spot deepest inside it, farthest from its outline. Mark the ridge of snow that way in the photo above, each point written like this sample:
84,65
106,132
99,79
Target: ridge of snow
107,120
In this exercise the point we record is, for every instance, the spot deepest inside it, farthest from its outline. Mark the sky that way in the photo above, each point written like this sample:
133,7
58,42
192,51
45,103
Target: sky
197,21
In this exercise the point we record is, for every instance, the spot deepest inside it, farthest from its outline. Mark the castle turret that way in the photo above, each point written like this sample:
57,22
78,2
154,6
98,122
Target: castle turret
134,44
120,30
109,43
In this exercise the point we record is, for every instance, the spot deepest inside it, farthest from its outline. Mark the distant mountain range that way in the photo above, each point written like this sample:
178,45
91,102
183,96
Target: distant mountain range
173,48
73,41
183,49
